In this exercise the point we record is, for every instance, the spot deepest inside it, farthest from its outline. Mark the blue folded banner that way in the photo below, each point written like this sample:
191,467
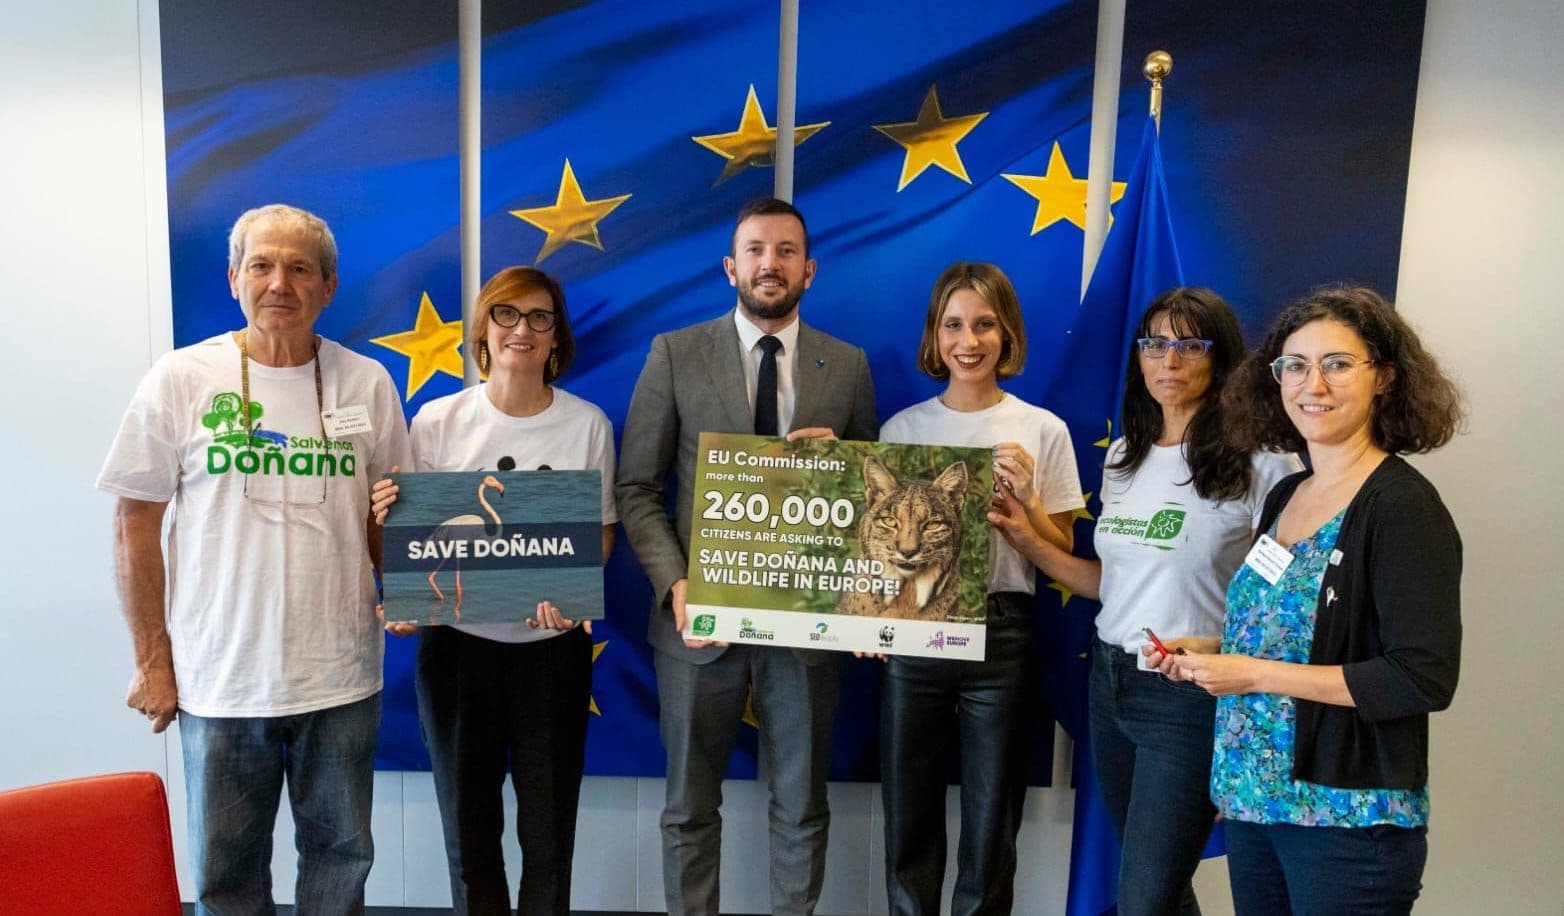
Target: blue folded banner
484,547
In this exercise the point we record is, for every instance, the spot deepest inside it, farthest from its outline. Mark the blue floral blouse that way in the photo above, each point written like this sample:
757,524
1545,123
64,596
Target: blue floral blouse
1251,766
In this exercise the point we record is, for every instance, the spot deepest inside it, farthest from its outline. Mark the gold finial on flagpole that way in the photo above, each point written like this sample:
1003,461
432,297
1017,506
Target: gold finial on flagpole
1157,67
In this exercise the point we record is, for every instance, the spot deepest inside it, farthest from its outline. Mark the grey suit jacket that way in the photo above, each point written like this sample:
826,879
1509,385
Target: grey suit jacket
693,382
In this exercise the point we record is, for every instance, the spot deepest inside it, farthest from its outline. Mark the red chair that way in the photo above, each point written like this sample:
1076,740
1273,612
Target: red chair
99,845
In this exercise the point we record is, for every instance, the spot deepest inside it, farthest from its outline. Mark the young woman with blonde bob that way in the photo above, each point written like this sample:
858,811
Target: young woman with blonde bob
973,338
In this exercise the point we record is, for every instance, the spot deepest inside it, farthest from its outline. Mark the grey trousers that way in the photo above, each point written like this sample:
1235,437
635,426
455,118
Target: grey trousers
702,706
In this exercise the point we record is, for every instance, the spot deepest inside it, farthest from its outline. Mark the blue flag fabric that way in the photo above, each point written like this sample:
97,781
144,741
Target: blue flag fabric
1139,260
326,125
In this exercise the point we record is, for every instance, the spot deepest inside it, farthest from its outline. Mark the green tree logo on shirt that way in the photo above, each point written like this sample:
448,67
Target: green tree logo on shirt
1165,525
228,426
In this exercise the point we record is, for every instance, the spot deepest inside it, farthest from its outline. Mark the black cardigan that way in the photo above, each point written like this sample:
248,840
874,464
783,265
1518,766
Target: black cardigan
1389,613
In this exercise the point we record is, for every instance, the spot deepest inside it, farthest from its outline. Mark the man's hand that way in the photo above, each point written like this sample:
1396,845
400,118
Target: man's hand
138,574
811,432
681,617
154,694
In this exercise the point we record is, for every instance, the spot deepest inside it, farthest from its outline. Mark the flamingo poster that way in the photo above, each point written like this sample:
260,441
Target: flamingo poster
486,547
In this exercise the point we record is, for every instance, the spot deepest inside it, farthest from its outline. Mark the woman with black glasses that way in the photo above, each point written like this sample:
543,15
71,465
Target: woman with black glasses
510,694
1178,508
1343,625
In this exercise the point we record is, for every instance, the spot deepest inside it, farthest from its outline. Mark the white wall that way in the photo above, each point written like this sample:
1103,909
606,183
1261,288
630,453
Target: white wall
87,310
1480,264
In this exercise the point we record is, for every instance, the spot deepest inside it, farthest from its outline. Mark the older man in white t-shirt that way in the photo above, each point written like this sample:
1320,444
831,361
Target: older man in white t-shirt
263,638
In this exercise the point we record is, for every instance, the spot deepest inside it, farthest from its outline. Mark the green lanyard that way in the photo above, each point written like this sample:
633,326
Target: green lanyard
244,384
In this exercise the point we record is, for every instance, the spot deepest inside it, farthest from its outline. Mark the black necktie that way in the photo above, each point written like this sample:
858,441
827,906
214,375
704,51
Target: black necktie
766,387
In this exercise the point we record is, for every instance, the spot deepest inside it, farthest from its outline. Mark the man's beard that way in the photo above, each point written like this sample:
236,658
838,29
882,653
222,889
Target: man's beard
769,311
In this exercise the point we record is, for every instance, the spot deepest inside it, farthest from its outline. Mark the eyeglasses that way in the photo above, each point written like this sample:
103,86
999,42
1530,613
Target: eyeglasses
1186,348
279,489
1337,369
508,316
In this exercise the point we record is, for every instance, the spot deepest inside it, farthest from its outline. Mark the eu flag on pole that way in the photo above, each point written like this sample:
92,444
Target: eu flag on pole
1138,261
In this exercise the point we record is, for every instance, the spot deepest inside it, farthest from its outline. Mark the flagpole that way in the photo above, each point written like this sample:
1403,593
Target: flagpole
1156,68
469,55
1105,119
787,101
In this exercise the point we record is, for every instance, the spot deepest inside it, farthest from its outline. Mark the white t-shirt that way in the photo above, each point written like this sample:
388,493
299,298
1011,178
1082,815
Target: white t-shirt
466,432
270,591
1044,435
1167,554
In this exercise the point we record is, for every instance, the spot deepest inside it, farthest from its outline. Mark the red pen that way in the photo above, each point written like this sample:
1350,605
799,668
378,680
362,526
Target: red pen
1158,643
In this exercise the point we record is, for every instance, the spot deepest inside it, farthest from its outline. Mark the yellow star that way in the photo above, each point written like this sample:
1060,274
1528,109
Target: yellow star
754,143
572,218
1083,512
1060,195
597,649
1107,440
931,140
433,345
1064,592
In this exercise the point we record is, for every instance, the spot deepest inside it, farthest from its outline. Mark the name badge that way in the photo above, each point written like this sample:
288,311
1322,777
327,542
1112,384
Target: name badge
1268,558
346,421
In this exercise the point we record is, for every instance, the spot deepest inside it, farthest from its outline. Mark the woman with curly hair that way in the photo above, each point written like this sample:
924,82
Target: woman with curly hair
1343,626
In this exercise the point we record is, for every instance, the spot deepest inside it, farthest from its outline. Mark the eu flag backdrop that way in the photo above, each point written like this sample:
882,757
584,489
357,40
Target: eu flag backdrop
907,130
927,134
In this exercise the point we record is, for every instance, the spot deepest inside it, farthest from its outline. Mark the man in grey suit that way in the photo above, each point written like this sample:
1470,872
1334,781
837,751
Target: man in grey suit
755,369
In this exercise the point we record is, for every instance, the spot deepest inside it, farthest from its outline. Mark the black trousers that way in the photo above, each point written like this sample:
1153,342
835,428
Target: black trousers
918,700
486,706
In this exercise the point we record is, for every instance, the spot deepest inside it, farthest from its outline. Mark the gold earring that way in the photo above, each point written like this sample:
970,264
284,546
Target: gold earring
483,357
553,364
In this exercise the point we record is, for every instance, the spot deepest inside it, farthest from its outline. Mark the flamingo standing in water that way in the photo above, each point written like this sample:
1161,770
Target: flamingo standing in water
444,533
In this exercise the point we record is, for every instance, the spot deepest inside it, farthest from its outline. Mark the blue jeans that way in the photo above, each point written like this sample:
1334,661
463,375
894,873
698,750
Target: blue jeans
234,771
486,707
922,701
1151,745
1281,869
